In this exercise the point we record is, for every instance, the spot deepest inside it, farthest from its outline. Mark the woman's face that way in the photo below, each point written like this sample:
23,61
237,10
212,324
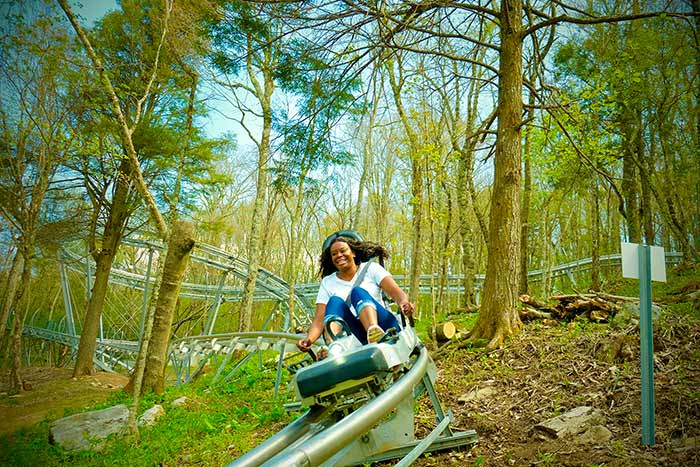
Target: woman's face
342,255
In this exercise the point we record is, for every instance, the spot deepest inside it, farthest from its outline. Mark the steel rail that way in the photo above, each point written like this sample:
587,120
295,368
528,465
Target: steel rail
305,425
330,441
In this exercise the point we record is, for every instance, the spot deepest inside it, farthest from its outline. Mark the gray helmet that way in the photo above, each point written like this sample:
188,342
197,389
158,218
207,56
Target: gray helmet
351,234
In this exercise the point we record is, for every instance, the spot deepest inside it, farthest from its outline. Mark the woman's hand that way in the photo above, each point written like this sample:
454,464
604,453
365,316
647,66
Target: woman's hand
304,344
407,308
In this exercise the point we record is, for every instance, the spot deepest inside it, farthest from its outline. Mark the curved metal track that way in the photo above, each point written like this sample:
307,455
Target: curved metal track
322,437
119,341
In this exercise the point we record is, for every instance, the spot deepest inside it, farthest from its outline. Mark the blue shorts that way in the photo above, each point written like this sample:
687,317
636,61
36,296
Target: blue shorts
360,298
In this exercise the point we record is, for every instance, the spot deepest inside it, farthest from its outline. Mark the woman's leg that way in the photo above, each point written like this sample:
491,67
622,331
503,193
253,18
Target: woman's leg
336,307
371,312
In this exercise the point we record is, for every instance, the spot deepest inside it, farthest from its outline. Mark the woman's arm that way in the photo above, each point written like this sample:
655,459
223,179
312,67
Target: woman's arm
389,285
315,329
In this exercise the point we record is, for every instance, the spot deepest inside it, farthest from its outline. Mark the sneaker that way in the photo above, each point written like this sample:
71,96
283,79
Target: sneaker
374,334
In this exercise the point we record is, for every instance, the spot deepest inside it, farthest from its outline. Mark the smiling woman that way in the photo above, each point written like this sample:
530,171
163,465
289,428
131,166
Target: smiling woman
351,292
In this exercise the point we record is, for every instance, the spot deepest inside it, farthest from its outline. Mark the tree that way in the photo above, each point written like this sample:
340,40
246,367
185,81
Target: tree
167,292
35,139
119,208
308,143
247,56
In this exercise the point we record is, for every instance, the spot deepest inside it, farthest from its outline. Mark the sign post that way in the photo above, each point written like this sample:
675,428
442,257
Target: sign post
645,263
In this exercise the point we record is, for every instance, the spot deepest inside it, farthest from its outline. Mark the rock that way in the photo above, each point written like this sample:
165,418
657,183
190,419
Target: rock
88,430
151,416
595,435
572,422
629,311
180,402
476,394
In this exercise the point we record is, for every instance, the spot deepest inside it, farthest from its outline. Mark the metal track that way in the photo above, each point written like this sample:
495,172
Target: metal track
321,437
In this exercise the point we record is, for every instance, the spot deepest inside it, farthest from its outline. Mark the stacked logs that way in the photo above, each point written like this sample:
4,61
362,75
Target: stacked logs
597,307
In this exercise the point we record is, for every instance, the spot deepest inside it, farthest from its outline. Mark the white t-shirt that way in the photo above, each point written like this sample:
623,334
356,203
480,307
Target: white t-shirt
333,286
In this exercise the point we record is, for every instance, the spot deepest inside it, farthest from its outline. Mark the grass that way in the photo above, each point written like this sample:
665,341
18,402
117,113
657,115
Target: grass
215,427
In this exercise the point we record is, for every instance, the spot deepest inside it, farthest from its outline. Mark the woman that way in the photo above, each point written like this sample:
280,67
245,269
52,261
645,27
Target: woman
365,313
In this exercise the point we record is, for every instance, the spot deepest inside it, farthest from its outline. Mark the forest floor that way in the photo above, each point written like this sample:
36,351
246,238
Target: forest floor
52,392
543,372
547,371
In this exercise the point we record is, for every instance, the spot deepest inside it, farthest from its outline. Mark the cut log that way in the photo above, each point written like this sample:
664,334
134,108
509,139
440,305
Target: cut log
533,302
528,313
445,331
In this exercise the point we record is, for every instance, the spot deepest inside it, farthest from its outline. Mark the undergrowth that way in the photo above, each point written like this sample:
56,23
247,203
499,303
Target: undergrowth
217,425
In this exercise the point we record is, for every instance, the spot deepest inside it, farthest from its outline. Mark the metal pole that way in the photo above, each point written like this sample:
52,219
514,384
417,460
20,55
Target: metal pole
66,296
214,312
646,345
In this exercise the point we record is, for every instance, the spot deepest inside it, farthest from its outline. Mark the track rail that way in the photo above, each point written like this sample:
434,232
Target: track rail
320,437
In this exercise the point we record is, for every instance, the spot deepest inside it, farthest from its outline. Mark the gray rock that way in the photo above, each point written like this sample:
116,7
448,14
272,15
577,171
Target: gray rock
476,394
595,436
572,422
630,310
180,402
89,429
151,416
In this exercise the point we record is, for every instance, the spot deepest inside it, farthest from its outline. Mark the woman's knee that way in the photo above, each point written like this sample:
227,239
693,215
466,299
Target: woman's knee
336,306
358,293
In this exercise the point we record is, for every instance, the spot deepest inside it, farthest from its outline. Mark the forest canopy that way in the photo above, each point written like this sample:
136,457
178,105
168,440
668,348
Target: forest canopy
468,137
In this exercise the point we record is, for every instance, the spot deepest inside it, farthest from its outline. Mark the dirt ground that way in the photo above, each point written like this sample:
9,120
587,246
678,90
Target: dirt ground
545,372
53,392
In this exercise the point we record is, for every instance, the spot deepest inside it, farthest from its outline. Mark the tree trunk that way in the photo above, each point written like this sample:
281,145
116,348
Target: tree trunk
417,192
498,317
15,347
263,93
180,245
465,171
111,239
367,156
417,185
595,239
630,181
527,192
13,279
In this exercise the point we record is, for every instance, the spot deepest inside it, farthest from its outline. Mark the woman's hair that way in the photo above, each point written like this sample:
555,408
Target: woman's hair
364,251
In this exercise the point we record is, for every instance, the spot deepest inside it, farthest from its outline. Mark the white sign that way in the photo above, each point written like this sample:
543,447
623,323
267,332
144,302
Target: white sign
630,262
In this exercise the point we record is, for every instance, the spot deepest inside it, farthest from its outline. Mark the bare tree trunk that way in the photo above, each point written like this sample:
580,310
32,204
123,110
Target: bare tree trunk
465,171
417,186
180,245
13,280
367,156
527,192
595,238
111,239
630,181
254,243
15,347
498,316
444,258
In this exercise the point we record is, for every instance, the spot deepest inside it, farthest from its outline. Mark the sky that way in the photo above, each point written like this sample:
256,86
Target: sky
93,10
